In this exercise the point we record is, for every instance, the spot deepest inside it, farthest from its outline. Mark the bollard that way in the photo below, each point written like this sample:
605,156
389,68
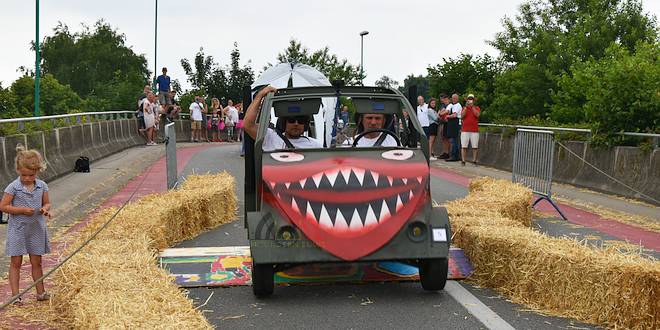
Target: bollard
170,156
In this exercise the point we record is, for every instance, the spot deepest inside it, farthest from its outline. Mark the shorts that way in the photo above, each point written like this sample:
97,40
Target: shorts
433,129
196,124
163,98
426,130
141,125
471,137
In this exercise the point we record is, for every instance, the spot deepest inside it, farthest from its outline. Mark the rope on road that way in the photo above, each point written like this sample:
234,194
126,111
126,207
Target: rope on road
607,175
20,294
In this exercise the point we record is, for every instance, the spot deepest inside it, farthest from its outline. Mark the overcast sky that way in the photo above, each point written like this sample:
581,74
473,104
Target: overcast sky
404,36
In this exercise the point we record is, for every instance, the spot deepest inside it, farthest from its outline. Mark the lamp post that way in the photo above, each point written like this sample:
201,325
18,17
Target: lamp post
37,62
155,45
362,34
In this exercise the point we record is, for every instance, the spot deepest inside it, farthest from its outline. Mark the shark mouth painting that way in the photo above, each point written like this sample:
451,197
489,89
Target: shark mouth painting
349,207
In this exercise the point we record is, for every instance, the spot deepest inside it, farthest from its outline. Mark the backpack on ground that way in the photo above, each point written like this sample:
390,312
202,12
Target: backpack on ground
82,165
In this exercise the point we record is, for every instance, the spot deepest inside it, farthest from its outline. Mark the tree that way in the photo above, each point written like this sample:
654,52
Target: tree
55,98
208,78
547,37
7,103
616,93
420,81
328,64
239,77
463,75
387,82
96,64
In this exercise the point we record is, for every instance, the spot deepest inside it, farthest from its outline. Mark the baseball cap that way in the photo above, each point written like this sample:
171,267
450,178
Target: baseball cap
470,96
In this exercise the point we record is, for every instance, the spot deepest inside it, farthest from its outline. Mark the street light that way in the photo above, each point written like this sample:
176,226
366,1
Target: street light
362,34
155,45
37,70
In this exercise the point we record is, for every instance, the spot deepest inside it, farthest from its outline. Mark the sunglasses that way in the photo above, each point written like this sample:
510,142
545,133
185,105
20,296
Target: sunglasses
299,120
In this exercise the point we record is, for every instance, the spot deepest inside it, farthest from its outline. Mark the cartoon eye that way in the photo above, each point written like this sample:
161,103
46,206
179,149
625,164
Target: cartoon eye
287,157
398,154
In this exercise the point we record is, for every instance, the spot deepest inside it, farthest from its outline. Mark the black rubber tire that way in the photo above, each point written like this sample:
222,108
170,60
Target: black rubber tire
263,280
433,273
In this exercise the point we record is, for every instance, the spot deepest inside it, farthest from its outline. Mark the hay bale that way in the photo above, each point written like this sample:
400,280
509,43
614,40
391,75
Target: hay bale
489,196
558,276
114,282
563,277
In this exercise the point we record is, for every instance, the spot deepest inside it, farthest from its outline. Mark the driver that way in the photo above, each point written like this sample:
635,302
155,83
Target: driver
374,121
294,127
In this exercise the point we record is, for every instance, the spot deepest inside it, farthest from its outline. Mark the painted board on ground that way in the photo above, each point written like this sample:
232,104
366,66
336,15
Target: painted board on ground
232,265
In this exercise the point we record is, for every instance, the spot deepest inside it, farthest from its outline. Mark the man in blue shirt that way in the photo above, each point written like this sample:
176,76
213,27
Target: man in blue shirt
163,82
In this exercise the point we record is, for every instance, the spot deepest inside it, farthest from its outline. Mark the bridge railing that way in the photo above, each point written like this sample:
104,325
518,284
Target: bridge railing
585,131
82,117
20,125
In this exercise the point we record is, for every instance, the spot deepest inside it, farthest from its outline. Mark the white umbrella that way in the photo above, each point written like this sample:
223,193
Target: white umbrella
285,75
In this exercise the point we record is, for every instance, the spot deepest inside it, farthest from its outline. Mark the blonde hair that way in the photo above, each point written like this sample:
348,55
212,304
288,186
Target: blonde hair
215,103
30,159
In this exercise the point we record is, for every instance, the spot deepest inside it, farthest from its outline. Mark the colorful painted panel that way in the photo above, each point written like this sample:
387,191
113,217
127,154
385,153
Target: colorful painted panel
231,266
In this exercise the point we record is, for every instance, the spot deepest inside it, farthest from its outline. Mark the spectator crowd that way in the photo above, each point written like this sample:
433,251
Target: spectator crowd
456,126
206,123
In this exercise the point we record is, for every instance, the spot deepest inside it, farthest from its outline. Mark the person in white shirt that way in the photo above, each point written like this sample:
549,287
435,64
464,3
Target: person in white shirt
196,108
148,107
232,114
454,127
294,127
422,115
374,121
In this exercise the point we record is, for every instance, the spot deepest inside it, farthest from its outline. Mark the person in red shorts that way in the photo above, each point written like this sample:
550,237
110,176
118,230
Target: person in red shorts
470,129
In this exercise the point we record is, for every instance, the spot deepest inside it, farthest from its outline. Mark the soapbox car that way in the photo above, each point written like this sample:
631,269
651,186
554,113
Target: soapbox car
342,203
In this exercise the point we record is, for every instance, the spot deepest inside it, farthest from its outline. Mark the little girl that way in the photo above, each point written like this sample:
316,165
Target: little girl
27,203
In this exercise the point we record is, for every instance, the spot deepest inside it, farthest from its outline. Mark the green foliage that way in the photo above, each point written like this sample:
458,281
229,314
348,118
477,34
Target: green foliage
420,81
619,92
328,64
547,37
54,99
209,79
463,75
7,103
387,82
522,91
96,64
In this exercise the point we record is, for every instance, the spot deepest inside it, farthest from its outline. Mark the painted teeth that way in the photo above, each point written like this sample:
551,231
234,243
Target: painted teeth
346,177
350,218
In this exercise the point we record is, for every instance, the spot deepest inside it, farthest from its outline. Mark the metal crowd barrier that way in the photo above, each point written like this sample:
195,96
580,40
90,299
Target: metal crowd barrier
533,156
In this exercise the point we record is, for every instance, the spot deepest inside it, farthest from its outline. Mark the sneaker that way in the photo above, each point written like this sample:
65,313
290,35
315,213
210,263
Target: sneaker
462,162
44,296
433,158
18,302
444,156
451,160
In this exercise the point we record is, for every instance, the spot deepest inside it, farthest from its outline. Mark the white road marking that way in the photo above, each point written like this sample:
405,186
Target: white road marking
484,314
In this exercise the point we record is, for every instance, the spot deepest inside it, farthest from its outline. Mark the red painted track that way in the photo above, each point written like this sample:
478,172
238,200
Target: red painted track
632,234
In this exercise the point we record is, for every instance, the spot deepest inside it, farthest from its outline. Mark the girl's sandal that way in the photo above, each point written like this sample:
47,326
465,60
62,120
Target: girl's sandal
43,296
17,302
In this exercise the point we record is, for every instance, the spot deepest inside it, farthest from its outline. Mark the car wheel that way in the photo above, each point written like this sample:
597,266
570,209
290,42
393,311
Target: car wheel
433,273
263,280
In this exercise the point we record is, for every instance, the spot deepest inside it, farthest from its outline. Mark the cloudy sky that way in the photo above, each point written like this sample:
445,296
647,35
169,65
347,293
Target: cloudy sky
404,36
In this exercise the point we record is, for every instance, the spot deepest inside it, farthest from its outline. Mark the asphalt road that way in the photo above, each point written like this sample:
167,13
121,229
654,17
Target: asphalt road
365,306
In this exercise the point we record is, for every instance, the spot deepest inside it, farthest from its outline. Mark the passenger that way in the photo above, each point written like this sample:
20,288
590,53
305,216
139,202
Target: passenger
371,121
294,127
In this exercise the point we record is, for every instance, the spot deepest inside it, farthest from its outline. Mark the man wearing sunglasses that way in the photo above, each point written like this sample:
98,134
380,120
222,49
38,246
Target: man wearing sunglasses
291,132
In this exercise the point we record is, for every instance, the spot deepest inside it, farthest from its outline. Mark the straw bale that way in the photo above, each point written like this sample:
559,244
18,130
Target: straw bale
558,276
114,282
489,196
